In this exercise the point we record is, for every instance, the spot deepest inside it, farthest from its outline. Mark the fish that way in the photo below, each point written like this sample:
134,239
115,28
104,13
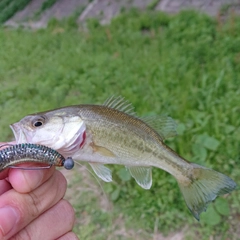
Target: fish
33,153
112,133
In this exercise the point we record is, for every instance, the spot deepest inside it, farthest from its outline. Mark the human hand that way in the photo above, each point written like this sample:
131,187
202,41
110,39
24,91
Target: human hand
31,205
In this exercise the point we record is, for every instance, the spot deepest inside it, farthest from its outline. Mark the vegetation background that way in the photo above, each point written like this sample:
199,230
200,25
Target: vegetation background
186,66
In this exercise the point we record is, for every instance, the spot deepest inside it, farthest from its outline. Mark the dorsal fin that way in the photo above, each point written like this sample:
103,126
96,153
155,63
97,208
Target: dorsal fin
164,125
120,104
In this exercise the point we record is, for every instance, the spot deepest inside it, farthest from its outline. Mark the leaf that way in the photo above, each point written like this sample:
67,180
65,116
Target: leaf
181,128
108,188
229,129
199,151
222,206
124,174
210,217
200,139
208,142
115,194
211,143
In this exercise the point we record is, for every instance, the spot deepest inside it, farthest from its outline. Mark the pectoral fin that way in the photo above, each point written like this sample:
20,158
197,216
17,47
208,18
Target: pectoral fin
102,150
142,175
102,172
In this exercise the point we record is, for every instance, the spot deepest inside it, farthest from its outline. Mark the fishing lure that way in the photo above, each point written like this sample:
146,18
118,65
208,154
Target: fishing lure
27,152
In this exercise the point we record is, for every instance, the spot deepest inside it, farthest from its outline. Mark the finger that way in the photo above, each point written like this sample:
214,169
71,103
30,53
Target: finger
4,186
4,174
18,210
25,181
69,236
52,224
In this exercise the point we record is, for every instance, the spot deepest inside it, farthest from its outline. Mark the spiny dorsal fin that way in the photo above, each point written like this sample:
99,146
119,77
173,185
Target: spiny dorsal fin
120,104
142,175
164,125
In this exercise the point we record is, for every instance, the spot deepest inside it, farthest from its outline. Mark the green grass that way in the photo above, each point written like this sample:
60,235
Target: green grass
186,66
47,4
9,7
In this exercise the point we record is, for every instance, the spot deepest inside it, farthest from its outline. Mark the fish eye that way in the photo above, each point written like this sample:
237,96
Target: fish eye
38,122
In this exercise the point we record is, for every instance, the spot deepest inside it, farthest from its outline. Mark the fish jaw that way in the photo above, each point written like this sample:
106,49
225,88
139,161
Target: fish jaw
18,133
66,135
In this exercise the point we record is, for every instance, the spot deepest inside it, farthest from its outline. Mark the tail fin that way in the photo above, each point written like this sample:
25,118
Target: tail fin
204,186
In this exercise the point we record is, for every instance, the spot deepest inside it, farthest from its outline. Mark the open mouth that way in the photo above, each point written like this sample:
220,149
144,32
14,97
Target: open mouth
18,134
64,143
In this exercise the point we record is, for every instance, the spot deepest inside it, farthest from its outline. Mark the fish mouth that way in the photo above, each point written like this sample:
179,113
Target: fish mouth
18,133
67,147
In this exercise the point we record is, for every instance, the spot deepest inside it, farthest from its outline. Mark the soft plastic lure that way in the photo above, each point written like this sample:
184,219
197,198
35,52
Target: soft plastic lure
27,152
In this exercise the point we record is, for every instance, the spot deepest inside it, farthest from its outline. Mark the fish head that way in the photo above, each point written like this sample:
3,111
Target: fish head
56,129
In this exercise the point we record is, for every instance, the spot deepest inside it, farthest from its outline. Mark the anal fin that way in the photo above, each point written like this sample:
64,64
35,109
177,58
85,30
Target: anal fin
102,172
142,175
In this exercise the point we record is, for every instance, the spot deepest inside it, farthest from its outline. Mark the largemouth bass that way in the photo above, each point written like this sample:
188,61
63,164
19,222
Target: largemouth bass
112,134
